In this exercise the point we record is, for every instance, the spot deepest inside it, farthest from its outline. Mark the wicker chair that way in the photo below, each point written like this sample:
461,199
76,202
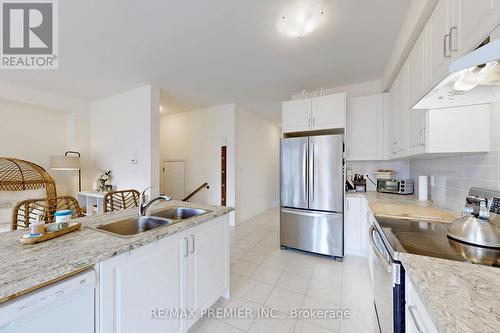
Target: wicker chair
26,211
19,175
116,200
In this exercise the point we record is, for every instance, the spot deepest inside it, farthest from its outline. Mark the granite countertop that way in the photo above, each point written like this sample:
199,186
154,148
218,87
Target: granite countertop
405,207
27,267
460,297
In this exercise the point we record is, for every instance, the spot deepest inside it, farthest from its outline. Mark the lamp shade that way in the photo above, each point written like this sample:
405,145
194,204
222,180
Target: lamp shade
64,163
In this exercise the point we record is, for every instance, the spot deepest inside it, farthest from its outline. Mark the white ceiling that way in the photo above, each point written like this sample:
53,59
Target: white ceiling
210,52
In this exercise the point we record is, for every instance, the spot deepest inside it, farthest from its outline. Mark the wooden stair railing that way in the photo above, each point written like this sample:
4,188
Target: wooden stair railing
192,194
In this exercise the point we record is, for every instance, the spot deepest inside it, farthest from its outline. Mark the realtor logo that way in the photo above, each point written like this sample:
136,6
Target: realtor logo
29,36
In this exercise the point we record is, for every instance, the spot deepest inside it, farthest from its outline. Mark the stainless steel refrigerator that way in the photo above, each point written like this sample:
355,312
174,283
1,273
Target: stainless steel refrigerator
312,194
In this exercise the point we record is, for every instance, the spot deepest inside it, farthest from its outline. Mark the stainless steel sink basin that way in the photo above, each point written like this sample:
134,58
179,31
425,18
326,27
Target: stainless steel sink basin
179,213
134,225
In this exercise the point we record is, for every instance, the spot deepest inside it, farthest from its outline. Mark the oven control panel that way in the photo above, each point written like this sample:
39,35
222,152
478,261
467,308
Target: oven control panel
495,206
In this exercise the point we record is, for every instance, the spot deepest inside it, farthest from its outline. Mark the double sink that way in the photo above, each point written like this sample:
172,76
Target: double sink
138,224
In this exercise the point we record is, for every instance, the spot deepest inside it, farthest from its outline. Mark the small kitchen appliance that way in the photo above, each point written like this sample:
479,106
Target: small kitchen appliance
359,183
395,186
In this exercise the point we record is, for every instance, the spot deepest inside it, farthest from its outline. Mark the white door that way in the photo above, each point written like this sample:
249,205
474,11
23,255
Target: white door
208,271
439,55
474,20
133,285
365,124
328,111
174,179
296,115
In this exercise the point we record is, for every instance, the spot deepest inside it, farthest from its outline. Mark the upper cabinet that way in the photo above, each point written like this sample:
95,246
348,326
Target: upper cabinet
365,128
455,28
316,113
472,22
439,53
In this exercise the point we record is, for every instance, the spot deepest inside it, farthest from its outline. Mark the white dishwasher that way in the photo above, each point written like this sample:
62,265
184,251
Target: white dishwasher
61,307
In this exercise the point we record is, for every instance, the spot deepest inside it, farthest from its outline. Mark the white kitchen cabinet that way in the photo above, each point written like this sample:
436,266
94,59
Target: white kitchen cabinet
472,22
355,234
439,55
398,123
417,83
133,284
208,268
188,270
417,319
312,114
296,115
328,111
365,124
461,129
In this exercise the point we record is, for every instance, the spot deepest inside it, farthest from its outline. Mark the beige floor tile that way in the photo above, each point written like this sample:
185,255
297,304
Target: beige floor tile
300,268
243,268
236,281
254,291
356,300
359,323
244,244
332,324
283,300
267,275
293,282
305,327
236,252
326,291
331,273
243,323
213,326
254,257
262,325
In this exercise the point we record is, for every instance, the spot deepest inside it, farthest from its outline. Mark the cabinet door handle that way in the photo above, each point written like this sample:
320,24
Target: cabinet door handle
450,46
309,122
347,204
193,248
186,248
413,318
446,46
314,122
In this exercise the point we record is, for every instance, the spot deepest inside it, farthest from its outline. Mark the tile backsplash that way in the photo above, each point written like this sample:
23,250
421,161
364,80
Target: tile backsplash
450,178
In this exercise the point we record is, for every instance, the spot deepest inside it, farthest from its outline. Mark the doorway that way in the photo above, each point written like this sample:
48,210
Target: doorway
174,182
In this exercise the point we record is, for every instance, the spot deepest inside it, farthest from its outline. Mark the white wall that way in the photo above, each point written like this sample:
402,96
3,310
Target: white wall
196,137
34,134
257,165
122,128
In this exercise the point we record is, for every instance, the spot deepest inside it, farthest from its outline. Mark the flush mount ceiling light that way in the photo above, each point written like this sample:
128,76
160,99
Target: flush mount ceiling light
301,18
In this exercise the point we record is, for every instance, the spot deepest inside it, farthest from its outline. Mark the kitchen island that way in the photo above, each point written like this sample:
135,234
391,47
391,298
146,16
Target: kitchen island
128,266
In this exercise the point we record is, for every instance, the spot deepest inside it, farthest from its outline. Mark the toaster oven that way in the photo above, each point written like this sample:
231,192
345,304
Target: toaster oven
395,186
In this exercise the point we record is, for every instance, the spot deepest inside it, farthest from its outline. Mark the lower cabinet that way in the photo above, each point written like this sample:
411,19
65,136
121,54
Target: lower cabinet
355,228
416,316
140,291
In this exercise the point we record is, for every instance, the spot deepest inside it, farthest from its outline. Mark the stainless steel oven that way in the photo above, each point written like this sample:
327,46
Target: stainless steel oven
388,286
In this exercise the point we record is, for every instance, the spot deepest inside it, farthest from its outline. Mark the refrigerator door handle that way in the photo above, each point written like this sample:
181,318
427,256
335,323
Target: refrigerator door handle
313,181
308,212
304,173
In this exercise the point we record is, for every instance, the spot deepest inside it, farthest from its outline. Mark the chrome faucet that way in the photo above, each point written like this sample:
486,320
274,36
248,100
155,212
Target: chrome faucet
144,204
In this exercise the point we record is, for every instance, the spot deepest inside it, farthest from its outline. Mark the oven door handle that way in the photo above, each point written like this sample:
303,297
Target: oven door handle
381,258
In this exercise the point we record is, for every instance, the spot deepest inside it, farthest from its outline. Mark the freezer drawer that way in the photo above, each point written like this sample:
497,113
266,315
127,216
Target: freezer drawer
317,232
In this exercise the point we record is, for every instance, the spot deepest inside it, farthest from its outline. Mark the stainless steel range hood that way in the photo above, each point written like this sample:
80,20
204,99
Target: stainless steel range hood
473,79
